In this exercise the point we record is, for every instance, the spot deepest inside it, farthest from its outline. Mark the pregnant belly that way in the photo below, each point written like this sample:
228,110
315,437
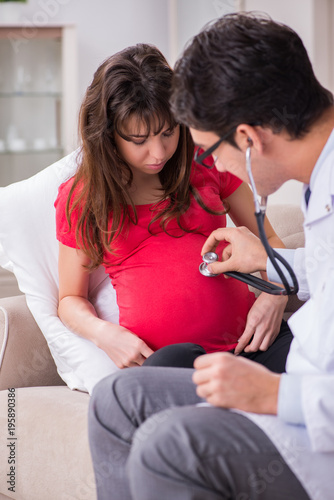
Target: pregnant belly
163,298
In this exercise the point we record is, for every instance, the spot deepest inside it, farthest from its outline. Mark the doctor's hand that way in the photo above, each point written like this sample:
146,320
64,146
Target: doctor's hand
263,323
228,381
244,253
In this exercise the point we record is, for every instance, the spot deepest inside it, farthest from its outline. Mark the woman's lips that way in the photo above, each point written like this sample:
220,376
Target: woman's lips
156,166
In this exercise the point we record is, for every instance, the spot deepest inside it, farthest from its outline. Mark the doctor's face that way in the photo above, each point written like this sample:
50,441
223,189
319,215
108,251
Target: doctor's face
227,158
230,159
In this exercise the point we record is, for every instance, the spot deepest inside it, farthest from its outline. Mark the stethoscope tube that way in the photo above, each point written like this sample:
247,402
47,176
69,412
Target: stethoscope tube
260,212
273,255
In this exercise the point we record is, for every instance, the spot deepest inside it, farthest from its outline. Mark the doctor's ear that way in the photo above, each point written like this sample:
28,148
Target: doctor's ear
248,136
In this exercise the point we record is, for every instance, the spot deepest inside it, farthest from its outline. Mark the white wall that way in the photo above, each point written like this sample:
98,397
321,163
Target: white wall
188,17
103,27
106,26
313,20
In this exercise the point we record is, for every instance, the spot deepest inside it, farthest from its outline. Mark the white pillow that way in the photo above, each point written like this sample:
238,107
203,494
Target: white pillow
29,248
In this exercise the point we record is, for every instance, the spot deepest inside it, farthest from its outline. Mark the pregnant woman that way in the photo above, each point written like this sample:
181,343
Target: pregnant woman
140,206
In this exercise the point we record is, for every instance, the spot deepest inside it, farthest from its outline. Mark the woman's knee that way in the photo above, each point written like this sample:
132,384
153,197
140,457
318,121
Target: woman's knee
176,355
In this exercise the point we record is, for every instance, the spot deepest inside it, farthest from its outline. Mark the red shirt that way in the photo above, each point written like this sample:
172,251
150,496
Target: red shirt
162,296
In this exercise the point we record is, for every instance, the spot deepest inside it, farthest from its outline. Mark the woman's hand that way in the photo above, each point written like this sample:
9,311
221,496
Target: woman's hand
80,316
123,346
263,323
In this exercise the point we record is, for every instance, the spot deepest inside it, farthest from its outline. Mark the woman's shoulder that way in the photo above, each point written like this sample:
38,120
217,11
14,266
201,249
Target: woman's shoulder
65,232
64,191
202,176
64,188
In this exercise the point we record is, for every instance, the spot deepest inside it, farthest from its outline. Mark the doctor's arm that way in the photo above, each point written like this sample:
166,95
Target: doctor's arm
246,254
308,400
317,345
234,382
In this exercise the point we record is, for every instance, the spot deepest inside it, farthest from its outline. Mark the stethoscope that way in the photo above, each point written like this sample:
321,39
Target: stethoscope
249,279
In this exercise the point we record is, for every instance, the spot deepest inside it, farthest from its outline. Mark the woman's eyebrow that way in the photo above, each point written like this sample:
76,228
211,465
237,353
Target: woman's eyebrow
140,136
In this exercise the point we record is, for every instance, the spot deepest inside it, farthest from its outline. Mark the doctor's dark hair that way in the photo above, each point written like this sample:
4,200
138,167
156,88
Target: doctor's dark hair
135,82
247,69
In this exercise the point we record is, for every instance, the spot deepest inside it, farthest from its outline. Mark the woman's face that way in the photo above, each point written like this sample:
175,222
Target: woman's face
146,154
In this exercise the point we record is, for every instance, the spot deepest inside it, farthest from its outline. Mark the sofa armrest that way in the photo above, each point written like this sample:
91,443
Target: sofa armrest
25,359
287,221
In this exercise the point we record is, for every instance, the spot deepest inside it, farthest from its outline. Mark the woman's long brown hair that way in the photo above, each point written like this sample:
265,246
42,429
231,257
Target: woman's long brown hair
134,82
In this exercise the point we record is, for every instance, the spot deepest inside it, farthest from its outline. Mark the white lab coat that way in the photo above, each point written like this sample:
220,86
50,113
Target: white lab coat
309,449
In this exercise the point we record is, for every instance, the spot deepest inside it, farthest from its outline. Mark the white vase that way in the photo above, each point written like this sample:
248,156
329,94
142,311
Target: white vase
11,12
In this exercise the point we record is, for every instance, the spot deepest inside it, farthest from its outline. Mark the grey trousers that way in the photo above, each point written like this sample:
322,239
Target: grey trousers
148,441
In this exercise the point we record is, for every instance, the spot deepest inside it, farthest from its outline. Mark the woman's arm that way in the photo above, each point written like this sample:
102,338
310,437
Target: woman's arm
79,315
242,214
265,317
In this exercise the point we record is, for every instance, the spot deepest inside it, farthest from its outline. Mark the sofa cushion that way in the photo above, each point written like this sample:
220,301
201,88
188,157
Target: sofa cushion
25,348
287,221
52,451
28,248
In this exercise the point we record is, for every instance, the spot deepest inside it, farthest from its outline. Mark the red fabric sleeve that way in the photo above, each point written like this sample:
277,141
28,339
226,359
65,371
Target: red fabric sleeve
228,182
65,235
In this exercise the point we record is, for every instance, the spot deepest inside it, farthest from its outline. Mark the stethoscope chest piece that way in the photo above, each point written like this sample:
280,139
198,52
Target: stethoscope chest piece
274,256
208,258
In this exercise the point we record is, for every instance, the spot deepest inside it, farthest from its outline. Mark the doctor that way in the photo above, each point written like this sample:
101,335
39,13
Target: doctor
244,82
